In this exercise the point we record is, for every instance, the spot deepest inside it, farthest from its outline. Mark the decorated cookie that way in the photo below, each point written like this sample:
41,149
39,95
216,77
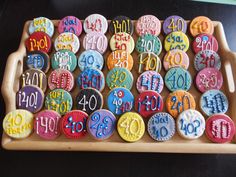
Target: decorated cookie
131,127
148,24
148,103
70,24
176,58
30,98
150,80
200,25
41,24
178,79
120,100
120,58
119,77
190,124
149,62
161,126
47,125
67,41
95,41
174,23
220,128
149,43
121,24
179,101
90,59
64,59
92,78
209,78
38,60
59,100
101,124
89,100
95,23
214,102
18,124
61,79
73,124
122,41
207,59
38,41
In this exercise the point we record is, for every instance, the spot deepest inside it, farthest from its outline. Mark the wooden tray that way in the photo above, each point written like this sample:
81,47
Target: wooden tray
10,85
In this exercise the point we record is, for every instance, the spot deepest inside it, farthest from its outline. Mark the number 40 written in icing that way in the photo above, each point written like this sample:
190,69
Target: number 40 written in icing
149,62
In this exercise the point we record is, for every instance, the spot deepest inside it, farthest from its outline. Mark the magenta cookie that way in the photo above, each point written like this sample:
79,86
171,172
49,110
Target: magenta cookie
70,24
209,78
46,124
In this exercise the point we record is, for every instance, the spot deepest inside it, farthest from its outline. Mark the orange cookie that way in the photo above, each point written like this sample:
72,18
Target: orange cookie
179,101
200,25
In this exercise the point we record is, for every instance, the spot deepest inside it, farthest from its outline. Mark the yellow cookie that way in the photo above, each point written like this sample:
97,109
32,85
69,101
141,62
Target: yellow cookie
201,25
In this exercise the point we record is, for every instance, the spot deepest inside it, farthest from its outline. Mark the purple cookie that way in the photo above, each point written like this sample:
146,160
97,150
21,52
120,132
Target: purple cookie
174,23
70,24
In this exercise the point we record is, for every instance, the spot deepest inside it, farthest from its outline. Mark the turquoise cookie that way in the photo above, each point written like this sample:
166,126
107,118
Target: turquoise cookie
120,100
214,102
119,77
149,43
178,79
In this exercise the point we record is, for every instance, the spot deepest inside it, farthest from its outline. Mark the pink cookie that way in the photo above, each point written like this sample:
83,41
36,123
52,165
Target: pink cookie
61,78
150,80
209,78
176,58
46,124
70,24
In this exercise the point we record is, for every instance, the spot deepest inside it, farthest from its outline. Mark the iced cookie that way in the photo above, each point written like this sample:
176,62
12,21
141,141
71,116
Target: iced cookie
149,62
201,24
70,24
41,24
95,23
174,23
121,24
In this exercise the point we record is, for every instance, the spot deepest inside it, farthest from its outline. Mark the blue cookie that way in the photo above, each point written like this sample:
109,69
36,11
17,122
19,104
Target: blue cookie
120,100
214,102
161,126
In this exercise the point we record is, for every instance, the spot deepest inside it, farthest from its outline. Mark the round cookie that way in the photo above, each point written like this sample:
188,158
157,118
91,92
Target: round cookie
90,59
131,127
208,78
176,58
214,102
149,62
38,41
150,80
178,101
101,124
59,100
61,79
148,103
30,98
70,24
176,40
174,23
121,24
73,124
204,42
95,23
95,41
220,128
64,59
46,124
148,43
92,78
201,24
18,124
89,100
148,24
41,24
207,59
119,77
161,126
190,124
178,79
38,60
120,100
120,58
67,41
122,41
